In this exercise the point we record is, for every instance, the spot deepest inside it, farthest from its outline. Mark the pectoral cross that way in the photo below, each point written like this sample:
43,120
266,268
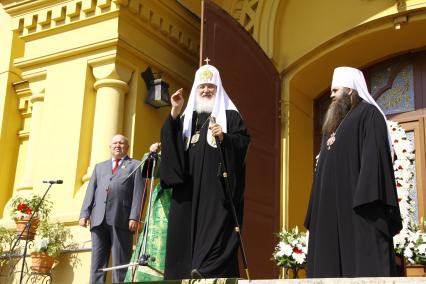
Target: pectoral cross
207,60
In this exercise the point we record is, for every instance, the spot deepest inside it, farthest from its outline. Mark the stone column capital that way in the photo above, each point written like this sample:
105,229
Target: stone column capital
37,84
109,68
37,97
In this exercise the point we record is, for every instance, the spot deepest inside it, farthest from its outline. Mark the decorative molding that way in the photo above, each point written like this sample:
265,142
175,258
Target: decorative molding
36,18
23,92
29,91
24,63
108,68
247,14
175,26
165,17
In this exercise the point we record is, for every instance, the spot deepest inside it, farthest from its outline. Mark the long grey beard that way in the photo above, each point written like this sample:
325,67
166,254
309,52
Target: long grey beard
204,105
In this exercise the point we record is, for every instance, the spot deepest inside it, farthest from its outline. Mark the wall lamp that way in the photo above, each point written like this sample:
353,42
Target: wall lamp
158,89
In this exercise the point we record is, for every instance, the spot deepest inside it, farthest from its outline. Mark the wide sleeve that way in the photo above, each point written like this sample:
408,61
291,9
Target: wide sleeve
235,145
172,170
375,196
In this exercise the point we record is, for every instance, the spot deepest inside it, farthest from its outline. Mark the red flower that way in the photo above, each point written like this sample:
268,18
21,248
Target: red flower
396,141
398,184
298,251
21,207
393,129
28,211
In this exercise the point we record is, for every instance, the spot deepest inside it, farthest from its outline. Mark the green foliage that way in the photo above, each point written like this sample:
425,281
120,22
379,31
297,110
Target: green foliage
52,238
23,207
6,239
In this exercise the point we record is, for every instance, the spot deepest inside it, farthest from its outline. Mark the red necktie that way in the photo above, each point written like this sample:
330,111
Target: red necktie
114,169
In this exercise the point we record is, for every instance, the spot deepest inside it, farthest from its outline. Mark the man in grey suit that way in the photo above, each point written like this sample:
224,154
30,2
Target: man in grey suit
111,207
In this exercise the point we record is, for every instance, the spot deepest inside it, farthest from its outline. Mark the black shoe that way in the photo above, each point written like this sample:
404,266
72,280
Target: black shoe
195,274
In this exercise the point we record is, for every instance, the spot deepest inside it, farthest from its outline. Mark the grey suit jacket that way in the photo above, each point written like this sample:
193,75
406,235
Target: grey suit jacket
108,197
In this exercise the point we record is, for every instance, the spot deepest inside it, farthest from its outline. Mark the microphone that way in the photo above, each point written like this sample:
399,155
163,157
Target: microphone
57,181
153,155
213,120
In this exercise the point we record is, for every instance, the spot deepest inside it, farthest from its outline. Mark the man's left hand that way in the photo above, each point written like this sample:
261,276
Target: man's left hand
217,131
133,225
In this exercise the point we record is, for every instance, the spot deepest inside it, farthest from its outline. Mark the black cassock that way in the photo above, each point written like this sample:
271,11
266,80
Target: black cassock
353,210
201,228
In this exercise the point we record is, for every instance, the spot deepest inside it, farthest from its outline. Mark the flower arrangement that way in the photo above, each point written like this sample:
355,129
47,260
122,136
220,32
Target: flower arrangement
415,244
292,249
411,240
23,207
51,238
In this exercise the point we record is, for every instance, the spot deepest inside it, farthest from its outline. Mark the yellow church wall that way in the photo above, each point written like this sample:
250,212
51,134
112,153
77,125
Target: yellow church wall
300,157
10,47
305,24
65,63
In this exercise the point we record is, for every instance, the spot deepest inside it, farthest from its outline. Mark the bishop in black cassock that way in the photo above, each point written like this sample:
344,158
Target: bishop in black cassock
201,238
353,212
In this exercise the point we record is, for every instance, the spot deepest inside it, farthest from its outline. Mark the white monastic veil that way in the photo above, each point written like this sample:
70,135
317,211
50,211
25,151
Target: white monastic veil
353,78
207,74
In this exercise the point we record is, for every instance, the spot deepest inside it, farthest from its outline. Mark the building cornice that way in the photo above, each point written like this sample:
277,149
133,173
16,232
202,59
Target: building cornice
36,19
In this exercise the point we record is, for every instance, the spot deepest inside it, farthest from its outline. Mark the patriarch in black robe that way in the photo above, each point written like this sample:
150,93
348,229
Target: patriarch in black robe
353,211
201,241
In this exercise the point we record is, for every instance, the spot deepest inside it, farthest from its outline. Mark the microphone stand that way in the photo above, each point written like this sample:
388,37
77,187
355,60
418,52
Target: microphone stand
27,228
144,258
132,172
224,173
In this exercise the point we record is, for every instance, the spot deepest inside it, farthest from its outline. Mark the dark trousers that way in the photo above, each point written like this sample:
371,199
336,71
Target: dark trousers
108,239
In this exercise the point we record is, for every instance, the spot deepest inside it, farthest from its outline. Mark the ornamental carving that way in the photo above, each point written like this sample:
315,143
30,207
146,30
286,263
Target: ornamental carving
247,13
174,27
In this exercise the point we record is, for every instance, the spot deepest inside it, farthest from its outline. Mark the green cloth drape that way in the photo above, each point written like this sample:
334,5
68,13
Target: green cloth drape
157,233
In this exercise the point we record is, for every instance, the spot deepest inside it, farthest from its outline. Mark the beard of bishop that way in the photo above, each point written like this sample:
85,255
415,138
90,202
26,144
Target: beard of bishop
337,111
204,104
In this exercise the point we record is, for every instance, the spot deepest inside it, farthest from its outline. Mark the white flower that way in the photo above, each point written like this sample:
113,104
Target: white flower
422,249
408,253
40,243
285,248
299,257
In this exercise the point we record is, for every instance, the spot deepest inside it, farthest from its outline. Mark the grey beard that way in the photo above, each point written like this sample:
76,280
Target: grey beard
204,105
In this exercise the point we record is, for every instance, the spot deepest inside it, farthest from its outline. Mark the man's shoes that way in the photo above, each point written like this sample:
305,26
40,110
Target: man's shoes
195,274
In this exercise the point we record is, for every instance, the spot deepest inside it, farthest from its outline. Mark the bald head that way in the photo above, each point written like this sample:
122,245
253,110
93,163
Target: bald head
119,146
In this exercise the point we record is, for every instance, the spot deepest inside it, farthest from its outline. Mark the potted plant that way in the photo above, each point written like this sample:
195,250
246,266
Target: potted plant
6,239
50,240
291,251
21,210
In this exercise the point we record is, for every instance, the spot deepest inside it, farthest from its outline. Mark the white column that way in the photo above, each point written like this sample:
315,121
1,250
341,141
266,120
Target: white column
111,88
